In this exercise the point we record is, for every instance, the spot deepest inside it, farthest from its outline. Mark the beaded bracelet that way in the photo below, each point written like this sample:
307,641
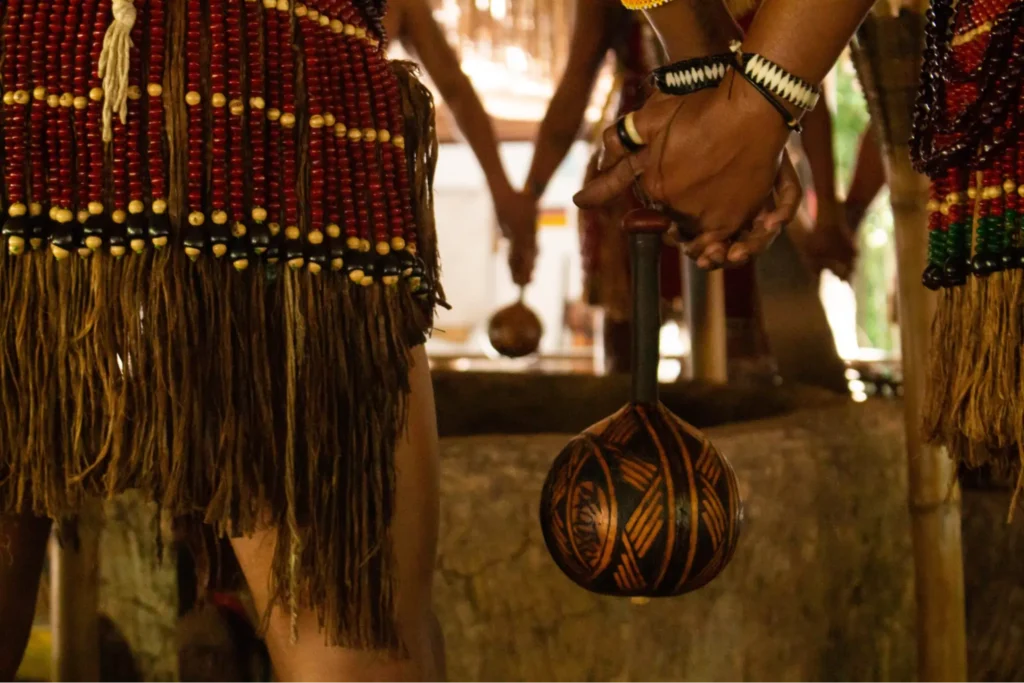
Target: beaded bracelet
638,5
690,75
773,78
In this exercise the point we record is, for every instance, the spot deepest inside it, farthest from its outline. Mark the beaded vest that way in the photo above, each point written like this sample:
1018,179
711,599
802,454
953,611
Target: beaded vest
218,252
969,140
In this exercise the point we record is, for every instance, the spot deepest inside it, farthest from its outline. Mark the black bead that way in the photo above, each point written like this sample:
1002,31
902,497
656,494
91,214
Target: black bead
259,237
406,262
238,250
16,226
293,250
1007,260
39,227
983,264
219,234
956,271
116,233
137,224
317,254
195,238
159,225
389,267
932,278
63,236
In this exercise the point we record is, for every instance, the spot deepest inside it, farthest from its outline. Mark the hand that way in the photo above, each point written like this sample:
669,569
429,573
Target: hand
831,243
517,216
712,158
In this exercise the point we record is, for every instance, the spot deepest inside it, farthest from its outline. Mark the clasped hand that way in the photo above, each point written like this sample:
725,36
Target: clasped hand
715,163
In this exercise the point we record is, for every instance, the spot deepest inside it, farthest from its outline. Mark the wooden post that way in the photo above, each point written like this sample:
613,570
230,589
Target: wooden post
888,53
705,314
74,605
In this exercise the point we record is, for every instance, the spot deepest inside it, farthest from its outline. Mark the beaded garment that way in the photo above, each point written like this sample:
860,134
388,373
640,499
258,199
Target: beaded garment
969,140
217,253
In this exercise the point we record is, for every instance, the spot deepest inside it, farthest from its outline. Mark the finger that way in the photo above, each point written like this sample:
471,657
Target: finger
753,242
788,195
613,150
612,182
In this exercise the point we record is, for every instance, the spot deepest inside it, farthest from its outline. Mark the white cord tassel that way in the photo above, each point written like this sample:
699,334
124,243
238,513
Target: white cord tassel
114,63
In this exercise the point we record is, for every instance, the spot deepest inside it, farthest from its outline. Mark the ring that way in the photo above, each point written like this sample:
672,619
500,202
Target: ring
629,136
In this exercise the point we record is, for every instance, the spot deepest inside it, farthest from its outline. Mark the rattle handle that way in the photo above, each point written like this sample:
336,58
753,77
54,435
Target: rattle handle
645,230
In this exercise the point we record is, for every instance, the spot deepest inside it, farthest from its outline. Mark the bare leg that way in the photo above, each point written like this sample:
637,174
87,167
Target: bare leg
22,550
415,537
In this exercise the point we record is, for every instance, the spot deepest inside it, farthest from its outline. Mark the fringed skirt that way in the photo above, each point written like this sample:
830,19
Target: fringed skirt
243,372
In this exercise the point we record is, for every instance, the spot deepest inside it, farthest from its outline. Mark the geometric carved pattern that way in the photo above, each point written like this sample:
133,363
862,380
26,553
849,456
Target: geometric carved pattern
641,504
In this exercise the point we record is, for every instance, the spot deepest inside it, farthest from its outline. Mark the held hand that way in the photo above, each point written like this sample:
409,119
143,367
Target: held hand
517,214
712,160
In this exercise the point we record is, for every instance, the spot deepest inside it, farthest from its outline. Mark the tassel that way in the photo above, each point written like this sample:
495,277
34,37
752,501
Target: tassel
113,65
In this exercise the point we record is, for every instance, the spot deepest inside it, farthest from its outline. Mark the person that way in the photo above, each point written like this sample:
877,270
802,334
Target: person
412,24
277,388
731,136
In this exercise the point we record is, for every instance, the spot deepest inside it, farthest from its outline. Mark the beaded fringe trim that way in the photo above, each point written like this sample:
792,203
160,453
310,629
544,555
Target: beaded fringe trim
218,252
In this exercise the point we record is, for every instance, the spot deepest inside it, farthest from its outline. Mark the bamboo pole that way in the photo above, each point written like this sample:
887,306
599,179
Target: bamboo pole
705,315
887,52
74,603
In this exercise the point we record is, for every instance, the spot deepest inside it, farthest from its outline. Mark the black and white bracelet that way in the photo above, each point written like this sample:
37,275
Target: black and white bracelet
771,77
690,75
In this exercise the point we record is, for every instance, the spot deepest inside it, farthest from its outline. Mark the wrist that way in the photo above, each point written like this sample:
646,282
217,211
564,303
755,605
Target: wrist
754,107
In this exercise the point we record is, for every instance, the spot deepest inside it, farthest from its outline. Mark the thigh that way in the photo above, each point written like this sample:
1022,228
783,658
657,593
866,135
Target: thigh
414,533
23,542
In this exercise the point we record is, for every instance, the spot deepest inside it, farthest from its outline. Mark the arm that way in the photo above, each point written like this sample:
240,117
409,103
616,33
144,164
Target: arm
591,38
817,140
421,34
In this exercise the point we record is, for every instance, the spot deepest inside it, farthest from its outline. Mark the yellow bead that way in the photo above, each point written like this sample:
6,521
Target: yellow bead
138,246
282,5
155,89
316,122
383,248
219,217
93,243
95,208
972,192
369,134
15,244
22,96
65,216
219,250
269,4
324,20
83,216
397,243
291,232
274,228
39,93
241,264
329,119
239,229
337,263
313,268
257,103
296,263
364,246
273,114
218,100
53,213
259,214
315,237
67,100
135,206
9,98
81,103
300,10
288,120
1009,186
159,206
352,242
360,32
384,135
134,92
96,94
340,130
355,135
237,107
192,98
337,26
398,141
119,216
35,209
196,219
313,15
333,231
350,30
53,101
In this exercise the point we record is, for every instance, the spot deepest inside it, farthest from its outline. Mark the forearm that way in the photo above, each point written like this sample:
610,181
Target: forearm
693,28
817,141
558,131
805,37
475,124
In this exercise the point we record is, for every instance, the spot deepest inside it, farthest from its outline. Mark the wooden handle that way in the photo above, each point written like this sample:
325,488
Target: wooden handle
646,229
